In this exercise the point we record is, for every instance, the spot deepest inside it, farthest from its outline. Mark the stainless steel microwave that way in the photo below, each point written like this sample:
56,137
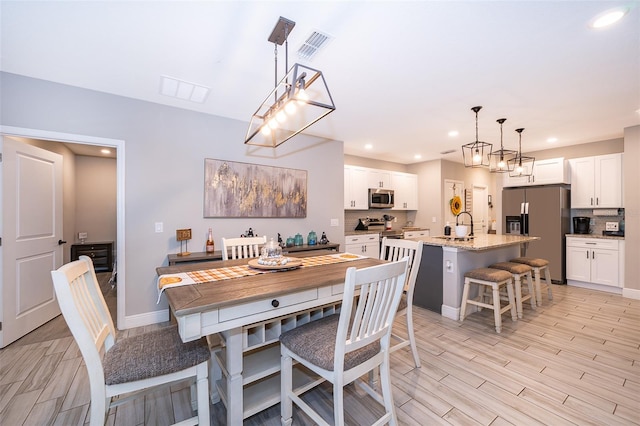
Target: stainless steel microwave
380,198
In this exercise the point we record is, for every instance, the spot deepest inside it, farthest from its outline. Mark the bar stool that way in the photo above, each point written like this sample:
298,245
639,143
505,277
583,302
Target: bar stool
518,271
495,279
538,266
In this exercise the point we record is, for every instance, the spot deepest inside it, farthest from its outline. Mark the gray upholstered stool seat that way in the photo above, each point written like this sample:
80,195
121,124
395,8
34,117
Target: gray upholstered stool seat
152,354
518,271
539,266
493,279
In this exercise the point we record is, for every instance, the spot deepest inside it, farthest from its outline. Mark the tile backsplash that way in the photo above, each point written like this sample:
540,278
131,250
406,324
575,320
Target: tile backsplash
598,223
351,217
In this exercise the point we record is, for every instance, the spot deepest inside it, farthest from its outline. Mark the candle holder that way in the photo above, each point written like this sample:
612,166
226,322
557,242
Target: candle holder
183,235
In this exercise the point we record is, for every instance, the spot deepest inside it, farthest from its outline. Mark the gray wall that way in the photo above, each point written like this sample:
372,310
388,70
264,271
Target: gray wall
632,206
95,184
165,150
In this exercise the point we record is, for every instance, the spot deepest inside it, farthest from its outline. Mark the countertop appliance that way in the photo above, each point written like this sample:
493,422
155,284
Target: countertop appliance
380,198
370,224
581,224
541,211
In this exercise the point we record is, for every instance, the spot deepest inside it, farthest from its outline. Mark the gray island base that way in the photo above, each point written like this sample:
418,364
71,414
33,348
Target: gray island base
445,260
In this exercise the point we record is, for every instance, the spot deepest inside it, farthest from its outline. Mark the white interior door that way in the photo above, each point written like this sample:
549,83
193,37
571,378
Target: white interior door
480,210
31,230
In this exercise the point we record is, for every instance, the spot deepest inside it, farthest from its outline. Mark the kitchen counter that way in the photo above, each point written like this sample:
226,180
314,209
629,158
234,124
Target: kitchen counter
382,233
444,262
478,242
604,237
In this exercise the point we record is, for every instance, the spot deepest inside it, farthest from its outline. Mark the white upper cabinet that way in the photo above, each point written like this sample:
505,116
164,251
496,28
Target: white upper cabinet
358,180
596,182
405,190
380,179
545,172
356,188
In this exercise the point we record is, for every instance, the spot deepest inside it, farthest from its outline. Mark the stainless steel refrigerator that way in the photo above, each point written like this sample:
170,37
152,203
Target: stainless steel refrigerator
541,211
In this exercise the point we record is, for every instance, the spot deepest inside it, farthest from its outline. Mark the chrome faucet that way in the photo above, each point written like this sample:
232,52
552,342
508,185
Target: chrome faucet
471,217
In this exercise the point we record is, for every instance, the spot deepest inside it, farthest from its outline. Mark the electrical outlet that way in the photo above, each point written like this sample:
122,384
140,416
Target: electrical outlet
82,235
159,227
335,222
611,226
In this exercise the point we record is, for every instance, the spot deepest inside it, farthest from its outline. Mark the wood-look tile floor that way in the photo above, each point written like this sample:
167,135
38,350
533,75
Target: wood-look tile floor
573,361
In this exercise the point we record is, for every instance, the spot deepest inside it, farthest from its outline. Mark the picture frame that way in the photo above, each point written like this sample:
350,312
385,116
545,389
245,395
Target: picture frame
245,190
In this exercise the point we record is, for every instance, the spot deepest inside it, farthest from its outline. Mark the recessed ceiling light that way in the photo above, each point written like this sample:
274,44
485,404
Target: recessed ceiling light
368,146
417,156
105,151
552,140
608,17
453,133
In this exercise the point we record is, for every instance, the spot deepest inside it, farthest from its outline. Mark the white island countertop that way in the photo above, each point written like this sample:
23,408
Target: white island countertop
478,242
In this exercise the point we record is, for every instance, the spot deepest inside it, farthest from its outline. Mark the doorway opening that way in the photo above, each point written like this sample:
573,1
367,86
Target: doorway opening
92,141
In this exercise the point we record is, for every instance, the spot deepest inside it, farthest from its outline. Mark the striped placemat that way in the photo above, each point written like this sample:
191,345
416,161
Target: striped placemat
219,274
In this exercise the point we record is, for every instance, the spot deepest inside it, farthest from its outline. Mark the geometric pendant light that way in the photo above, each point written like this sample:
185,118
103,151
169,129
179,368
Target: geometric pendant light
521,165
476,154
499,160
297,101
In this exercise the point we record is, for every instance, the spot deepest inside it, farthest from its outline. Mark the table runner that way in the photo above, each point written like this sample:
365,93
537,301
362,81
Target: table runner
238,271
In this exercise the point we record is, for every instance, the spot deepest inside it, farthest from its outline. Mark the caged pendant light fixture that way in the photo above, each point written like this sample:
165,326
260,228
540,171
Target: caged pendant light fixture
476,154
297,101
521,165
499,160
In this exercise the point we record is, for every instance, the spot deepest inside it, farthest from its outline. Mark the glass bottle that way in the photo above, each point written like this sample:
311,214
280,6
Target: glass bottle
210,244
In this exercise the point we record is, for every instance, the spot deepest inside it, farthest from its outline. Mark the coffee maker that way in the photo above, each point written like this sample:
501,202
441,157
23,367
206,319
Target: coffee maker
581,224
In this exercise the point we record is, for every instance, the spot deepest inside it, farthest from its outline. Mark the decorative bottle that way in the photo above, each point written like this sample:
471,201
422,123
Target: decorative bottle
210,245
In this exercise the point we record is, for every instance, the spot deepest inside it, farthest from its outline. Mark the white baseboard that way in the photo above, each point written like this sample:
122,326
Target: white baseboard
631,293
592,286
450,312
141,320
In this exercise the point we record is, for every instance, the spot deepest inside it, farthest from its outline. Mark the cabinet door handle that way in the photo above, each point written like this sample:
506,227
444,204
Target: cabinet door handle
591,200
597,201
593,255
587,254
275,303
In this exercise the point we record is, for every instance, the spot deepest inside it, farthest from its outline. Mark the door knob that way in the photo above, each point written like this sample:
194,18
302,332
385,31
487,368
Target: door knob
61,242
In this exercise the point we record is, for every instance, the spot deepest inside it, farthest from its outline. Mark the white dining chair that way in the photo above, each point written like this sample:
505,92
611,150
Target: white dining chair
393,250
242,248
341,348
132,365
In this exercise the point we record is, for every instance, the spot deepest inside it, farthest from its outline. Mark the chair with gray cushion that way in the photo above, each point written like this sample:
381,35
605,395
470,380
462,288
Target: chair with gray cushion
341,348
493,280
539,267
396,249
131,365
519,271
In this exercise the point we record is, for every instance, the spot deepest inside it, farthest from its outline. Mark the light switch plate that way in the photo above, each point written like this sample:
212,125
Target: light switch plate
611,226
82,235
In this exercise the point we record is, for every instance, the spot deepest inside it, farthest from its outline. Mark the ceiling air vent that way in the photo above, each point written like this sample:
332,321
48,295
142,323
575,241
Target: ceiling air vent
313,44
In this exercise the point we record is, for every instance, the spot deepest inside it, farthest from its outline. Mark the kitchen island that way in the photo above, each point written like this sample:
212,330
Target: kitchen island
445,260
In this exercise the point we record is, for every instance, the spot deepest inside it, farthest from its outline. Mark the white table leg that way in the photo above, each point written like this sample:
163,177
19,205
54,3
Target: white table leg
234,380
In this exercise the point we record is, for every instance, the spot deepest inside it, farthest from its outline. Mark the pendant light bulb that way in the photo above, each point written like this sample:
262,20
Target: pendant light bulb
290,107
273,123
501,163
281,116
266,130
476,156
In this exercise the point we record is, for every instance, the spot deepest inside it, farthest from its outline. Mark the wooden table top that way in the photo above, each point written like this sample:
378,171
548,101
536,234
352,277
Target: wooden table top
204,297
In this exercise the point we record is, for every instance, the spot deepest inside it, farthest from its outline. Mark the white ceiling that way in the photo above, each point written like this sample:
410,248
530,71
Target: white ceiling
402,74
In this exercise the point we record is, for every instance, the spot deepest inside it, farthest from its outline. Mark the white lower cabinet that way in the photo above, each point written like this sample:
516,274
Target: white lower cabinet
365,244
261,360
594,261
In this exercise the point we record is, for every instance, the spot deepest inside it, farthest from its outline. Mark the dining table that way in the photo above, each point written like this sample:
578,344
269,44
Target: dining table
243,309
